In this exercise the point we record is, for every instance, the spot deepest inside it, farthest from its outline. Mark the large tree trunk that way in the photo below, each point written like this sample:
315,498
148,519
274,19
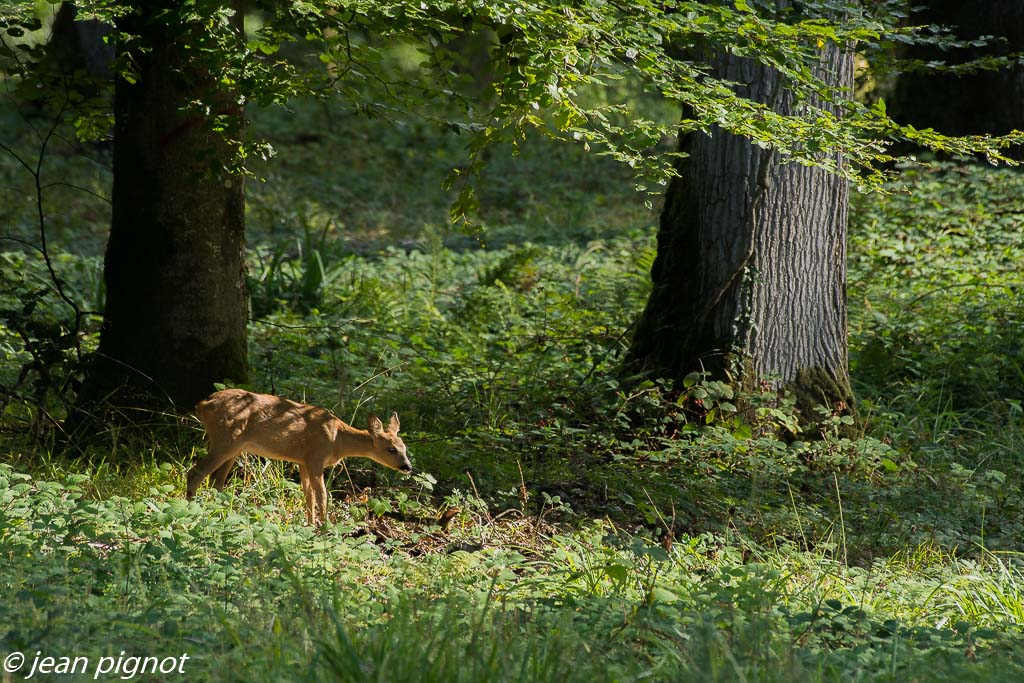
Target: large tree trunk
984,102
750,277
176,306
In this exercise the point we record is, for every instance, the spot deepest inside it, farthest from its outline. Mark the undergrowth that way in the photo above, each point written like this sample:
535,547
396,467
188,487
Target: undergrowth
566,524
239,590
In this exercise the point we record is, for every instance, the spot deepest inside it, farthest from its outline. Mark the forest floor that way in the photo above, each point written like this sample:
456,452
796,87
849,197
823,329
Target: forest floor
599,530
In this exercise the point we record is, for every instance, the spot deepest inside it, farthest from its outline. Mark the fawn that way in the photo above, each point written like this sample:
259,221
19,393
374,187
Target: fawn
272,427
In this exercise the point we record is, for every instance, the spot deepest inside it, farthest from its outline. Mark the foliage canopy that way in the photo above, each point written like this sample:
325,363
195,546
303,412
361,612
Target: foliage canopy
546,58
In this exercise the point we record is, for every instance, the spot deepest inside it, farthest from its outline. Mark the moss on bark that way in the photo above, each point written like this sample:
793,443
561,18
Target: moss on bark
815,387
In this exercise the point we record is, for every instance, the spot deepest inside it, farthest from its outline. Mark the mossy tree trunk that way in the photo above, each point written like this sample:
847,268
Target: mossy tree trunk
176,303
750,278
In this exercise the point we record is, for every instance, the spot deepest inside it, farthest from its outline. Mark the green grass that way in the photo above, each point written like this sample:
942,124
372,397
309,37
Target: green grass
243,590
602,532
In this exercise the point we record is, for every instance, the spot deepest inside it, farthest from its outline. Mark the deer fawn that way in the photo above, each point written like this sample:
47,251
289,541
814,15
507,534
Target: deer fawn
279,429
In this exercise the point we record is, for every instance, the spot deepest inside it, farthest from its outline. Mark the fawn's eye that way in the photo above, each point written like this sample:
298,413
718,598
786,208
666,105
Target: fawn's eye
392,450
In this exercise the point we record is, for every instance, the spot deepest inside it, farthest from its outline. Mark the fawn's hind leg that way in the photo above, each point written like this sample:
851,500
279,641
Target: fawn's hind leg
319,490
220,475
220,456
307,493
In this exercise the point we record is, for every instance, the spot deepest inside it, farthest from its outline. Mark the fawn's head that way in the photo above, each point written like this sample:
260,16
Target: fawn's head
388,447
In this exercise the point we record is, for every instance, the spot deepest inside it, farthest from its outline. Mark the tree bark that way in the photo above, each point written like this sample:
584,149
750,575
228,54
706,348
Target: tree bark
989,102
750,278
176,303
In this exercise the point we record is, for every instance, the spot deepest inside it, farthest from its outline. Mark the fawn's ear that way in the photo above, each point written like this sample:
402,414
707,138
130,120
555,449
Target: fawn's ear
393,424
376,426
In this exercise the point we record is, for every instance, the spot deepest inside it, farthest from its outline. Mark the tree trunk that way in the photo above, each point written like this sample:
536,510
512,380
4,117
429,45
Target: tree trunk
989,102
750,277
80,43
176,304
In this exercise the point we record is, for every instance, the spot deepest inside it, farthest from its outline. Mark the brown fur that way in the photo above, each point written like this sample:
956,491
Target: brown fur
272,427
